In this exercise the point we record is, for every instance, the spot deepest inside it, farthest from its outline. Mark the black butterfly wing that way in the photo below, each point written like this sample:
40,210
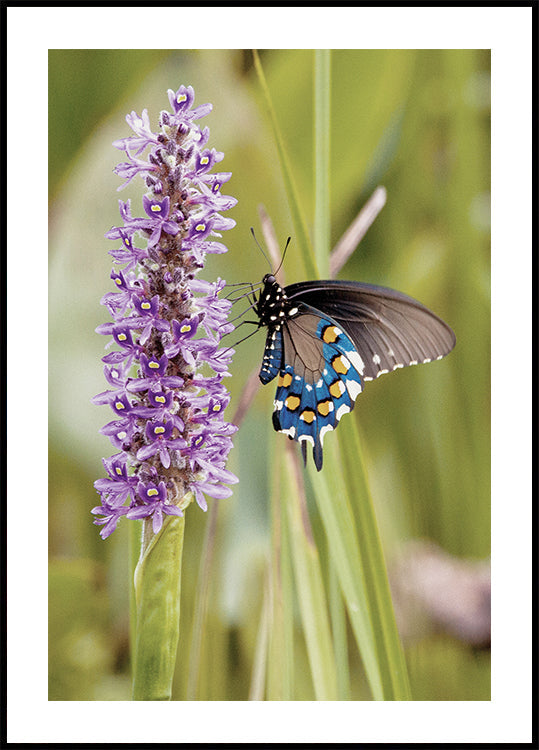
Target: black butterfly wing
388,329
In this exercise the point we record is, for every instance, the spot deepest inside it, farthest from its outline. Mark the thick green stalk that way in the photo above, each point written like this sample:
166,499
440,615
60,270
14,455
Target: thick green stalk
157,592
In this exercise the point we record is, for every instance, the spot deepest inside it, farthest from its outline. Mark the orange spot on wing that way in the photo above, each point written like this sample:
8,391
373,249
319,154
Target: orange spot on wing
292,403
340,364
336,389
284,380
323,408
330,334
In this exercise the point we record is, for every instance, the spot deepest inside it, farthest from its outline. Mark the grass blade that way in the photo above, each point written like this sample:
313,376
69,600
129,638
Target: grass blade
322,140
300,225
309,584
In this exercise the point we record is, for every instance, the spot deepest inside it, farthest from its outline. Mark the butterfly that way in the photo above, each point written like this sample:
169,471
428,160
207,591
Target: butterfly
326,339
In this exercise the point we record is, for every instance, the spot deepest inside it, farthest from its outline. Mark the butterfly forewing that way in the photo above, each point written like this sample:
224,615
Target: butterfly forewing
389,329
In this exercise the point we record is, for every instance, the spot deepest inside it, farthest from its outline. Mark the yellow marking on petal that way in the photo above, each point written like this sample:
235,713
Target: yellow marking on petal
331,334
151,492
146,306
323,407
153,364
185,328
118,471
158,430
217,407
284,380
118,282
160,399
119,405
200,227
156,208
204,160
340,364
337,389
292,402
122,337
308,416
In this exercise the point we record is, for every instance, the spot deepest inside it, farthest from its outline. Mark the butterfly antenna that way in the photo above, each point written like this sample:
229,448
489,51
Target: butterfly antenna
282,259
260,248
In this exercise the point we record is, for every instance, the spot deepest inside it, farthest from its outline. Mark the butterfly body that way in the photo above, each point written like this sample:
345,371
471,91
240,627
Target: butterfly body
327,338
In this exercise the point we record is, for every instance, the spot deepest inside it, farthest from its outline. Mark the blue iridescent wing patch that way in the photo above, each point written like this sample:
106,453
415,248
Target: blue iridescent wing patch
319,381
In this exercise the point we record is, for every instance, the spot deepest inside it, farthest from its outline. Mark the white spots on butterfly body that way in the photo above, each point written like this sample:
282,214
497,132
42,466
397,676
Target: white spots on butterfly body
293,311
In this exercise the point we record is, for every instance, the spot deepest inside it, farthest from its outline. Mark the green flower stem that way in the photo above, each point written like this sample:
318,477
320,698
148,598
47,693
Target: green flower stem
157,592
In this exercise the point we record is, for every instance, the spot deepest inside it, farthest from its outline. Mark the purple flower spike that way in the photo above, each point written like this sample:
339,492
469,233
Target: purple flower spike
166,326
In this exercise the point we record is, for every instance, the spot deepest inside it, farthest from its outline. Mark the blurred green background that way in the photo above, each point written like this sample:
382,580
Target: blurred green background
417,122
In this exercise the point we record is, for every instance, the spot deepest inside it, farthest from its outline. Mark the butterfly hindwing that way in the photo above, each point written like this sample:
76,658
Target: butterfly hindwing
319,380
